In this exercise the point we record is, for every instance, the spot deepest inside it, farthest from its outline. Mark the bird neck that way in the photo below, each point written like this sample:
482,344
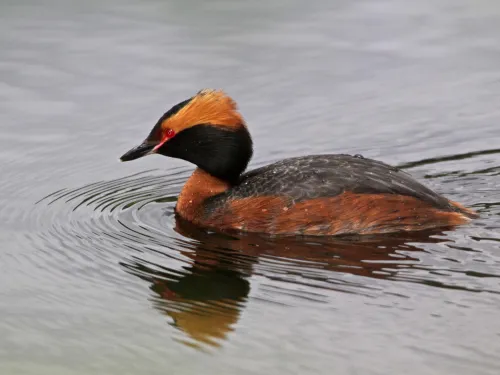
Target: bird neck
200,186
222,152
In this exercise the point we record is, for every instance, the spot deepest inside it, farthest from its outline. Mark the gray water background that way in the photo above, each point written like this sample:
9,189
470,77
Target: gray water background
399,81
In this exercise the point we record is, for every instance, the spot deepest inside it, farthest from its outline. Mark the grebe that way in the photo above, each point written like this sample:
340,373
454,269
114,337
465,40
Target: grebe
318,195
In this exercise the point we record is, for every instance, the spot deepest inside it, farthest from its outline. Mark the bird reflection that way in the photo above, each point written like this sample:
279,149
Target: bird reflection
206,298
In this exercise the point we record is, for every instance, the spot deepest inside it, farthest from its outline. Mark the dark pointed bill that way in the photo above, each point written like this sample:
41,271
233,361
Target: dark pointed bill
138,152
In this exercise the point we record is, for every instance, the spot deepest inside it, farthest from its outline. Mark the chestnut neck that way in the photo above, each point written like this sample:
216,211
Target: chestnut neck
200,186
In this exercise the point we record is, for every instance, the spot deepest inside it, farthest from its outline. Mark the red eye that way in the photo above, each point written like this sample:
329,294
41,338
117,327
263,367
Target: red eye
169,133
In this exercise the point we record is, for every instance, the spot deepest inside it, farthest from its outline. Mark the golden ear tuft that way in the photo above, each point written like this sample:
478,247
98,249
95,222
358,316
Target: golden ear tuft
209,107
217,96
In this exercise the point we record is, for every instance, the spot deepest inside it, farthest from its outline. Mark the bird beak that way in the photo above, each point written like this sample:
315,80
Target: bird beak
143,149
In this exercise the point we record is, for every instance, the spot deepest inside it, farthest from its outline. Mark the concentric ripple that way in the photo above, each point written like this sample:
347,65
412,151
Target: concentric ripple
96,232
109,217
106,231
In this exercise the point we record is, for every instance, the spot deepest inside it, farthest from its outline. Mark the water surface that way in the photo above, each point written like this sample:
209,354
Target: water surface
96,275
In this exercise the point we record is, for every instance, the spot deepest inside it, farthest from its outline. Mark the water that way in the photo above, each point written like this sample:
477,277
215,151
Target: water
97,277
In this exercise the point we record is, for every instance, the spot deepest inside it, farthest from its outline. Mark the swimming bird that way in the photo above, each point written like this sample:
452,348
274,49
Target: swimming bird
318,195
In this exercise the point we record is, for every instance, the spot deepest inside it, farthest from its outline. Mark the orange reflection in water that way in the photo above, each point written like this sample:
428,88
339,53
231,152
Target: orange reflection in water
206,299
